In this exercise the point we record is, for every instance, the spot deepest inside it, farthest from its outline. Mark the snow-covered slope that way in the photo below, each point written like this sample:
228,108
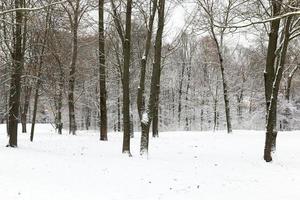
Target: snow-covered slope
180,166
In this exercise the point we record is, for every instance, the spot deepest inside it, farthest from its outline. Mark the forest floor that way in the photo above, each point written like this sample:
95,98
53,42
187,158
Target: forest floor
180,166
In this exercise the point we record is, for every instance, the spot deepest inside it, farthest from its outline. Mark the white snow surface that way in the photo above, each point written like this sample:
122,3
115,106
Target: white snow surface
180,166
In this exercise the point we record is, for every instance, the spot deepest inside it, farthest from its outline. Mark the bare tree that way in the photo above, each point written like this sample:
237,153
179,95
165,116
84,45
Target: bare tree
125,37
218,35
75,10
156,70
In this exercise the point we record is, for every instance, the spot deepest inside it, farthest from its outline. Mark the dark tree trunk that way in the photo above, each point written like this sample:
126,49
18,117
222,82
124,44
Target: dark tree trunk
71,103
147,119
141,89
74,17
225,96
224,82
102,74
239,98
271,132
126,92
201,116
187,93
289,83
59,124
156,108
15,86
119,115
180,92
39,81
215,114
35,104
269,76
59,98
25,108
27,87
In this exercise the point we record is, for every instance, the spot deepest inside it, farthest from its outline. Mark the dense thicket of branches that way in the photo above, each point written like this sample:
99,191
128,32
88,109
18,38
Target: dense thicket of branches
63,64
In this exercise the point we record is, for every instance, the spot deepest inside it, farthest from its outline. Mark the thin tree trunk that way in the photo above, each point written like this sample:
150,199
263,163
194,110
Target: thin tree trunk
59,105
102,82
119,115
180,93
39,81
215,114
36,97
59,98
187,117
225,96
25,108
71,103
289,83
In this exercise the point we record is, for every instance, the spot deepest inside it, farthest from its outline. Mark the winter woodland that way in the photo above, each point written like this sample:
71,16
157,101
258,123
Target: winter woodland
138,74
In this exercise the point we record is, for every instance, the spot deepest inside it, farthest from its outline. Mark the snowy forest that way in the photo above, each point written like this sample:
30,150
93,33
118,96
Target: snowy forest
178,81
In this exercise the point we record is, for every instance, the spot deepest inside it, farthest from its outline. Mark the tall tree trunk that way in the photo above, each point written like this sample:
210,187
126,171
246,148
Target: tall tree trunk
27,92
148,116
15,86
39,73
271,132
126,92
71,103
102,74
224,82
269,75
141,89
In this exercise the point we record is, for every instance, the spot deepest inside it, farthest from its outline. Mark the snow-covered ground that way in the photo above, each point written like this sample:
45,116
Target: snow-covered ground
180,166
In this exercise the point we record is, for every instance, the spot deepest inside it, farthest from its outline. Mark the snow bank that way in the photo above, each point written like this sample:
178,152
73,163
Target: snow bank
180,166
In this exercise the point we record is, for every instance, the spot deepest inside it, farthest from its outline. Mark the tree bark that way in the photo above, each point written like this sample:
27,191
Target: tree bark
271,132
36,98
289,83
156,108
180,92
74,17
144,59
126,92
102,74
39,73
24,113
148,116
15,85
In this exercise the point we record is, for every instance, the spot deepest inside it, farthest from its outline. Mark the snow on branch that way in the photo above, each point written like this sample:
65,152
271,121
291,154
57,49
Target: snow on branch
32,9
294,13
